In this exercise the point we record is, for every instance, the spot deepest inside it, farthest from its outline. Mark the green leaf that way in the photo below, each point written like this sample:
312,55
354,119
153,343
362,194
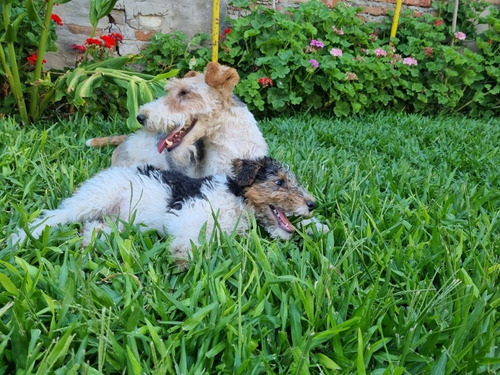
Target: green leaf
132,105
8,285
326,362
194,320
342,109
33,14
135,368
12,29
87,88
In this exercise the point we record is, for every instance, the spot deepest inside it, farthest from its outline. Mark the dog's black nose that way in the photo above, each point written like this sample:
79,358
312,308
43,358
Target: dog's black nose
141,118
311,205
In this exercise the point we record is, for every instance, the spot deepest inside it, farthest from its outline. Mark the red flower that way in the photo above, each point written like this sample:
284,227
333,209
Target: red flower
227,31
79,47
117,37
439,22
33,58
108,40
93,41
428,51
266,81
56,19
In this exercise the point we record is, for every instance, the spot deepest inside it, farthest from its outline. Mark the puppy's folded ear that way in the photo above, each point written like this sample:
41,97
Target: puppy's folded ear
246,170
221,77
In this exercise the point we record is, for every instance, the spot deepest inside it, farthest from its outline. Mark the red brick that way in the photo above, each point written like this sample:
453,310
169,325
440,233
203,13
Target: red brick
374,11
144,36
332,3
418,3
77,29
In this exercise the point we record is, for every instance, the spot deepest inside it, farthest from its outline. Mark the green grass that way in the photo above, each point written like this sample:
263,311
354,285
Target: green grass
406,281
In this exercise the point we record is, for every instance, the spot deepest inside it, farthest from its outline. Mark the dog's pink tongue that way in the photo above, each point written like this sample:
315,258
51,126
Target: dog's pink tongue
164,142
283,221
162,145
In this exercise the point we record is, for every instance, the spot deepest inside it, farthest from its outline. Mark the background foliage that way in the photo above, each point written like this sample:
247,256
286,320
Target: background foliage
353,67
447,77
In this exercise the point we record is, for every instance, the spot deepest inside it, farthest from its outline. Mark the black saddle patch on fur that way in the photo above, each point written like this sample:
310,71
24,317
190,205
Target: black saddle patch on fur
234,187
183,187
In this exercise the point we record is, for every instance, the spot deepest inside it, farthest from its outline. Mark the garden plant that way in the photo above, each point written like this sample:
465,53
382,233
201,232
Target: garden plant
312,58
99,83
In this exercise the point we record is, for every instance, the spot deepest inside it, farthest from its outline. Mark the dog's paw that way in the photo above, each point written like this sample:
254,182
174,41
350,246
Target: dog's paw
308,225
17,238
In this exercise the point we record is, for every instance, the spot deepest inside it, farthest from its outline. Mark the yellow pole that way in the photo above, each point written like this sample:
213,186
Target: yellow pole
215,30
395,20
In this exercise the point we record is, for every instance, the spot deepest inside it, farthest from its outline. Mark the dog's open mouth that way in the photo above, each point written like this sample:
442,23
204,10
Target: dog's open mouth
282,220
175,138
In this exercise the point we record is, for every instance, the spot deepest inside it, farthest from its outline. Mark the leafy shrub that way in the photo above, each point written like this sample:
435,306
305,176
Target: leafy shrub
99,83
171,51
315,58
27,31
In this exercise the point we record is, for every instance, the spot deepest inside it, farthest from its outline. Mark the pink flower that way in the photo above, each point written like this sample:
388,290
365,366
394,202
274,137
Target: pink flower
460,35
336,52
410,61
317,43
338,31
314,63
379,52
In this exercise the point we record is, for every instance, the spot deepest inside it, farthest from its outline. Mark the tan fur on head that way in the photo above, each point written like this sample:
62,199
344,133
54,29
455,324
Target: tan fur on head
221,77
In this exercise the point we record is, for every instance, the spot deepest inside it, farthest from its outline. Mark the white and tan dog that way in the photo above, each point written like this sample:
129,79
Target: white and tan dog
199,127
174,204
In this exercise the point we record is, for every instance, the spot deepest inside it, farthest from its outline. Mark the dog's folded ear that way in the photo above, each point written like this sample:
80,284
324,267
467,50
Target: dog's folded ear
191,73
246,170
221,77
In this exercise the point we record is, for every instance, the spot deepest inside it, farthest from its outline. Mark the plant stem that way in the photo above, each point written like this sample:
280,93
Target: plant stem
15,85
34,104
13,74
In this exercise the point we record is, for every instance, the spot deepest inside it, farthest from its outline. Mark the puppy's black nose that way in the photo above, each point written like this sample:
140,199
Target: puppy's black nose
311,205
141,118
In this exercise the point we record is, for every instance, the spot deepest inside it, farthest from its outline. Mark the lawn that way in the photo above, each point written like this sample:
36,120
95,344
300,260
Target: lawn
405,282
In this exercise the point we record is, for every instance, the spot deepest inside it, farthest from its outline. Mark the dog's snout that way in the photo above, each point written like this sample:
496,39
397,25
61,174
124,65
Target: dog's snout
141,118
311,205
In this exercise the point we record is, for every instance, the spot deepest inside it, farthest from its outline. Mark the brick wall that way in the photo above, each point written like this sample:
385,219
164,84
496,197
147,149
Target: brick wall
373,10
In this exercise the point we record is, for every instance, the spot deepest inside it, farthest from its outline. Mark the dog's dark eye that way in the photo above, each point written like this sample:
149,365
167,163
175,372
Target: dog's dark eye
183,93
279,182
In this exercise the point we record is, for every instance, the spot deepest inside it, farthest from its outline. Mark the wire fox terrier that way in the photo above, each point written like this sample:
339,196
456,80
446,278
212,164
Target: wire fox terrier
199,127
175,204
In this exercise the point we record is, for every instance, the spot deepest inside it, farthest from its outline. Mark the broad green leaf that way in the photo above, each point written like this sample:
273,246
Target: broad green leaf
8,285
194,320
